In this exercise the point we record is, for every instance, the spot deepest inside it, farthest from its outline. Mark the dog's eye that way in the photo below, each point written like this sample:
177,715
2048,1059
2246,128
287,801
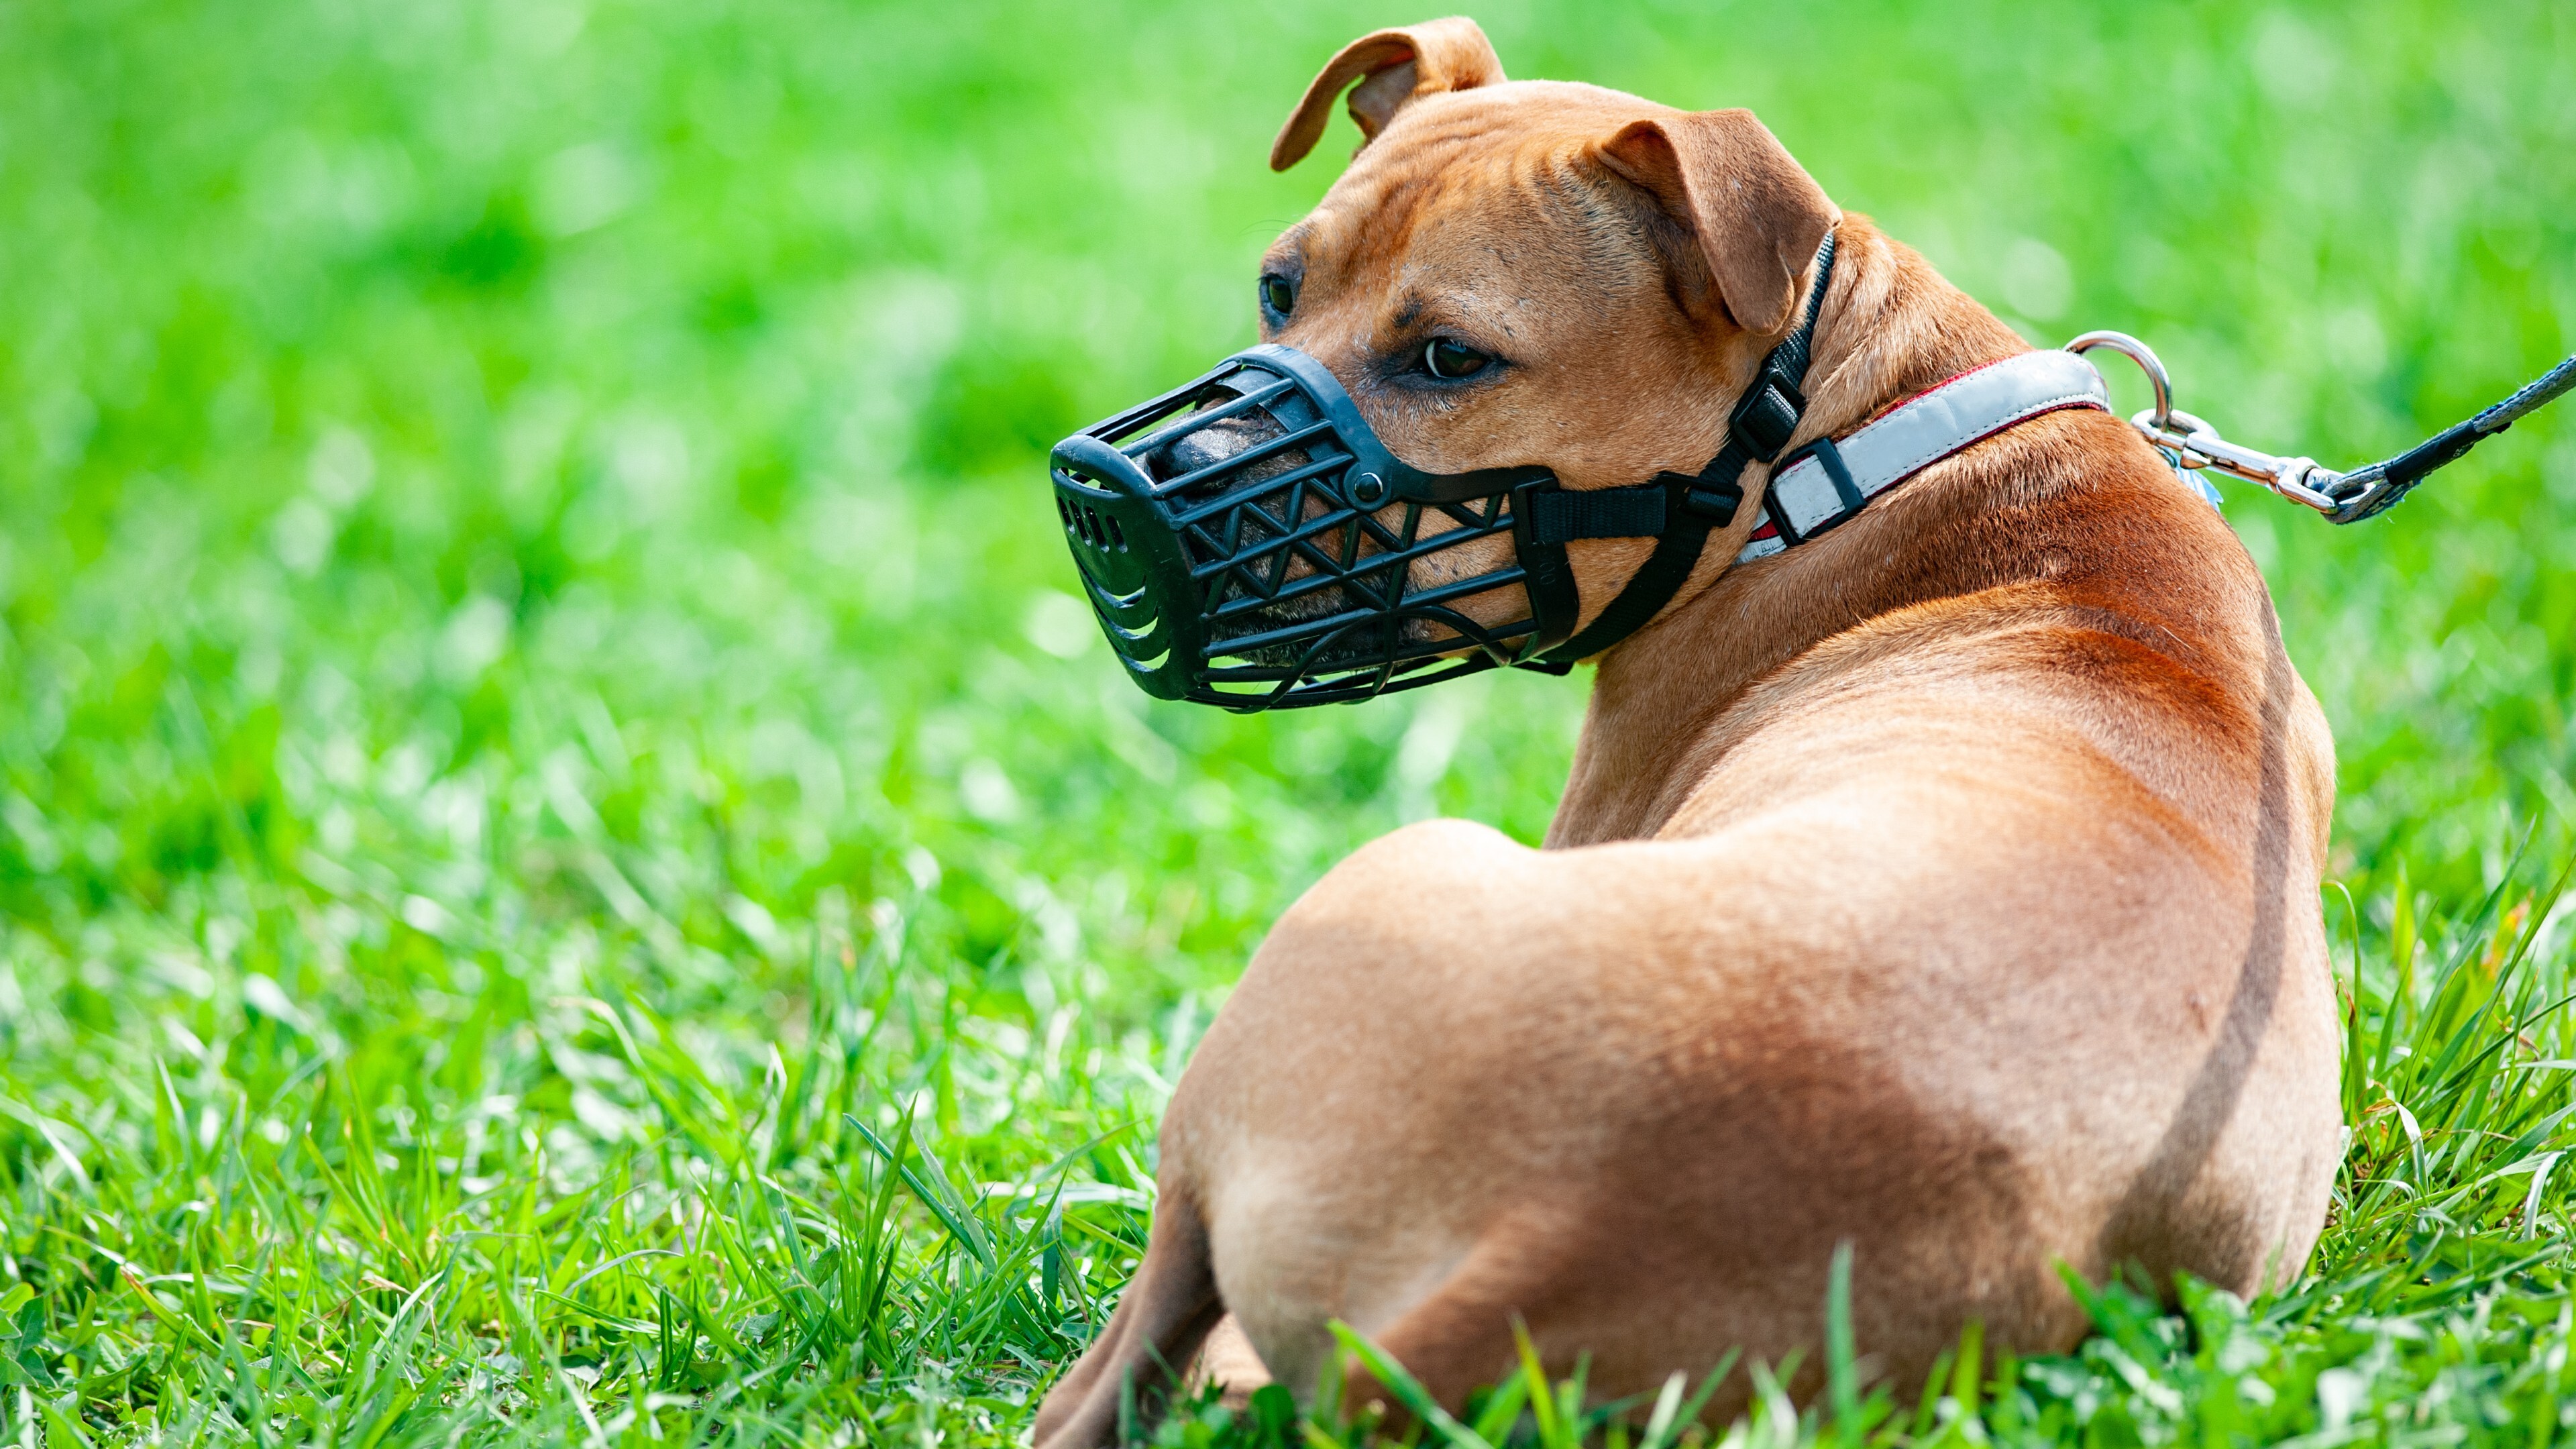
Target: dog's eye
1447,359
1278,294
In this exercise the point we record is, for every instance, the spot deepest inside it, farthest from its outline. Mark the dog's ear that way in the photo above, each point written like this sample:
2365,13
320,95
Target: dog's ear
1399,66
1756,214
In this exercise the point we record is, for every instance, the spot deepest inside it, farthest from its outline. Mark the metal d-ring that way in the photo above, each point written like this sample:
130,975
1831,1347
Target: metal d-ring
2145,357
2189,443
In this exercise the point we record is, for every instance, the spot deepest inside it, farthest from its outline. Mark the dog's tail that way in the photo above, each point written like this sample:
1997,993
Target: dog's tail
1161,1321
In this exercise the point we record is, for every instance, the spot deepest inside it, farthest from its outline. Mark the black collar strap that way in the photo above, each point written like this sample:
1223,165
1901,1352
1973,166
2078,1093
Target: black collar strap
1677,510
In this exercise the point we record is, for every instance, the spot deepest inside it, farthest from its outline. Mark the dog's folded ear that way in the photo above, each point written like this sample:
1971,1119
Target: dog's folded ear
1755,213
1398,66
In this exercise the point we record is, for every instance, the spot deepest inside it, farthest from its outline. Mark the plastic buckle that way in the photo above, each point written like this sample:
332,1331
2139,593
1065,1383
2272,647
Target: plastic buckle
1767,417
1715,502
1703,497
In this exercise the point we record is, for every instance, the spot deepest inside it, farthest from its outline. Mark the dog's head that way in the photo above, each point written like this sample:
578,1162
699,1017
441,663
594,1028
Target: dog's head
1514,291
1534,272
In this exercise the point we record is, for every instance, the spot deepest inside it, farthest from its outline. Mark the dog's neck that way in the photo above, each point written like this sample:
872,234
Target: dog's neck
1890,326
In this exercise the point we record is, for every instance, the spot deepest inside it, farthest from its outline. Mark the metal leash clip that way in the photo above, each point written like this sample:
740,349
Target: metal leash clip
2366,492
2189,443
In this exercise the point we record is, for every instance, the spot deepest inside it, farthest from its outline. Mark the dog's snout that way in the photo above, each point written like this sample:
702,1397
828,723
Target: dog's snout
1206,447
1202,449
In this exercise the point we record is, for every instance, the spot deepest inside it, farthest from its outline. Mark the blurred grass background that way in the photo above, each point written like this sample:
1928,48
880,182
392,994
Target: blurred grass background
539,694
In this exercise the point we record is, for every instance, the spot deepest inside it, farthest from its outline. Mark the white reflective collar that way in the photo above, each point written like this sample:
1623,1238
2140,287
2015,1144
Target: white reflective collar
1826,482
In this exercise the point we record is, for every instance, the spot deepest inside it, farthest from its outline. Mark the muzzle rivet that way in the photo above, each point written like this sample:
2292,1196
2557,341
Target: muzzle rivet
1368,490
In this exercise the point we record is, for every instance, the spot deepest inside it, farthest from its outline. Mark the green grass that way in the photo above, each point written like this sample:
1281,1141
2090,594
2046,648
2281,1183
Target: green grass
571,871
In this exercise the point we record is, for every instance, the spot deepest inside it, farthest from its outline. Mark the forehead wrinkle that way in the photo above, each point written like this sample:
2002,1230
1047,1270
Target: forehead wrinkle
1292,242
1603,239
1366,225
1552,219
1380,232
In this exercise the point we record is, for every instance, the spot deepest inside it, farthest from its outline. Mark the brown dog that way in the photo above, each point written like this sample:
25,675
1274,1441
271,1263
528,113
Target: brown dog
1946,887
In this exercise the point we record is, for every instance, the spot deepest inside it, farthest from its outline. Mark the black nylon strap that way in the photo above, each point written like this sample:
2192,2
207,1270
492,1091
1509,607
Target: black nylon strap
1761,425
1566,514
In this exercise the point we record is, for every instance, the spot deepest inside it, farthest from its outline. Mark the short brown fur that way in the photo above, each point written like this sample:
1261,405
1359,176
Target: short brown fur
1946,887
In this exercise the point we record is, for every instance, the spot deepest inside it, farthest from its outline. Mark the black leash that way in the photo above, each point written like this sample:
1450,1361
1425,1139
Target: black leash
2189,443
2369,492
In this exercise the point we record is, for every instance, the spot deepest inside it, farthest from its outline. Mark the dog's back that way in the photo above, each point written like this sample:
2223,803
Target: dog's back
1981,935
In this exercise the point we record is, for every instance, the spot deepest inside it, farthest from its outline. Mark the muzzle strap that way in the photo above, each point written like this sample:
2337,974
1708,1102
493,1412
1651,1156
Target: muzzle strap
1684,508
1562,516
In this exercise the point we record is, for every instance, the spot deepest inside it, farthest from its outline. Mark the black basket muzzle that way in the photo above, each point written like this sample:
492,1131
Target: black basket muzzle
1248,542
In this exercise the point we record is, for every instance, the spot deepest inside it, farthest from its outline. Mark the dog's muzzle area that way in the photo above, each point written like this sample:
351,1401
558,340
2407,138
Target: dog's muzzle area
1204,449
1248,542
